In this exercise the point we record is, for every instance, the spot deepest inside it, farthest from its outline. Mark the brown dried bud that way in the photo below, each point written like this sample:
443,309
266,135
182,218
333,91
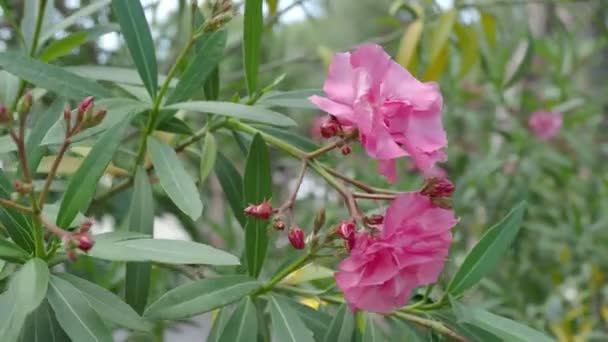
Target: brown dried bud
438,188
278,224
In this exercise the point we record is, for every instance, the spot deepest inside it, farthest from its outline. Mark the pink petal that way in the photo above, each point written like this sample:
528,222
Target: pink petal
405,207
387,168
375,61
342,112
340,79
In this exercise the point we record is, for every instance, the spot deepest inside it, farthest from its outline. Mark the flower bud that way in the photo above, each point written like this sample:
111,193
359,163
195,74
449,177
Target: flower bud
25,103
85,242
85,226
296,238
97,118
278,224
438,188
85,108
349,243
22,188
330,128
262,211
346,229
67,112
346,150
374,219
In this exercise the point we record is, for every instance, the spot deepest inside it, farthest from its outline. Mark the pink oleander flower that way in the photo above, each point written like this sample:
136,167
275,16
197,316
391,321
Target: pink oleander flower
545,125
395,114
410,250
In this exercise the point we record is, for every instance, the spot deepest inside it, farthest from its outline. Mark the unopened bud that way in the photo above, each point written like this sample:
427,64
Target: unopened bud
296,238
85,108
349,243
5,116
262,211
85,242
346,229
278,224
330,128
319,220
438,188
85,226
374,219
22,188
97,118
25,103
346,150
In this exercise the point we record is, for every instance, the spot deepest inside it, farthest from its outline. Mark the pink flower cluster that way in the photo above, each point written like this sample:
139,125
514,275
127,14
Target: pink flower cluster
545,125
409,251
395,114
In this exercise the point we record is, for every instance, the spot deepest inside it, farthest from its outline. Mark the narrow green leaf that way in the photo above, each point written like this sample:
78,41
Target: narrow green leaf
174,179
12,252
286,325
27,289
316,321
108,305
409,44
160,250
200,296
64,46
82,185
232,185
208,156
441,34
504,328
217,325
257,187
342,326
212,85
242,325
73,19
486,254
141,220
113,74
236,110
202,65
253,27
42,124
134,26
51,77
74,313
488,24
468,48
174,125
17,225
31,11
42,326
519,62
372,333
290,99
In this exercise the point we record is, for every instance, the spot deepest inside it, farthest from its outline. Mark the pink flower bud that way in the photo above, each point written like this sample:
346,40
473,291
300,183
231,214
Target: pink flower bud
296,238
346,229
346,150
330,128
438,188
85,243
262,211
85,107
349,243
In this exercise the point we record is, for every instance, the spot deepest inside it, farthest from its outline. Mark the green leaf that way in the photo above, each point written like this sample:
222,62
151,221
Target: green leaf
257,187
27,289
409,44
253,26
471,332
31,11
502,327
42,124
236,110
64,46
202,65
174,179
232,185
372,333
113,74
160,250
108,305
212,85
141,220
51,77
293,138
468,47
73,19
174,125
316,321
342,326
519,63
74,313
218,323
486,254
242,325
134,26
11,252
200,296
290,99
83,183
17,225
286,325
488,24
42,326
441,34
208,156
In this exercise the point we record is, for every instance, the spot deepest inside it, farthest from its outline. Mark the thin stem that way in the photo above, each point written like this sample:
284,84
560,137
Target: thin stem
278,143
324,149
288,205
52,172
188,271
51,227
282,274
360,185
39,20
374,196
10,204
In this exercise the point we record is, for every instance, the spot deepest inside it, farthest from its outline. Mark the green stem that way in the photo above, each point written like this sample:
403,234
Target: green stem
278,143
283,273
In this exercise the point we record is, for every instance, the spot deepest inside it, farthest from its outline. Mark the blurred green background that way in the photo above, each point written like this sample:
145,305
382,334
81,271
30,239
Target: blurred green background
496,61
